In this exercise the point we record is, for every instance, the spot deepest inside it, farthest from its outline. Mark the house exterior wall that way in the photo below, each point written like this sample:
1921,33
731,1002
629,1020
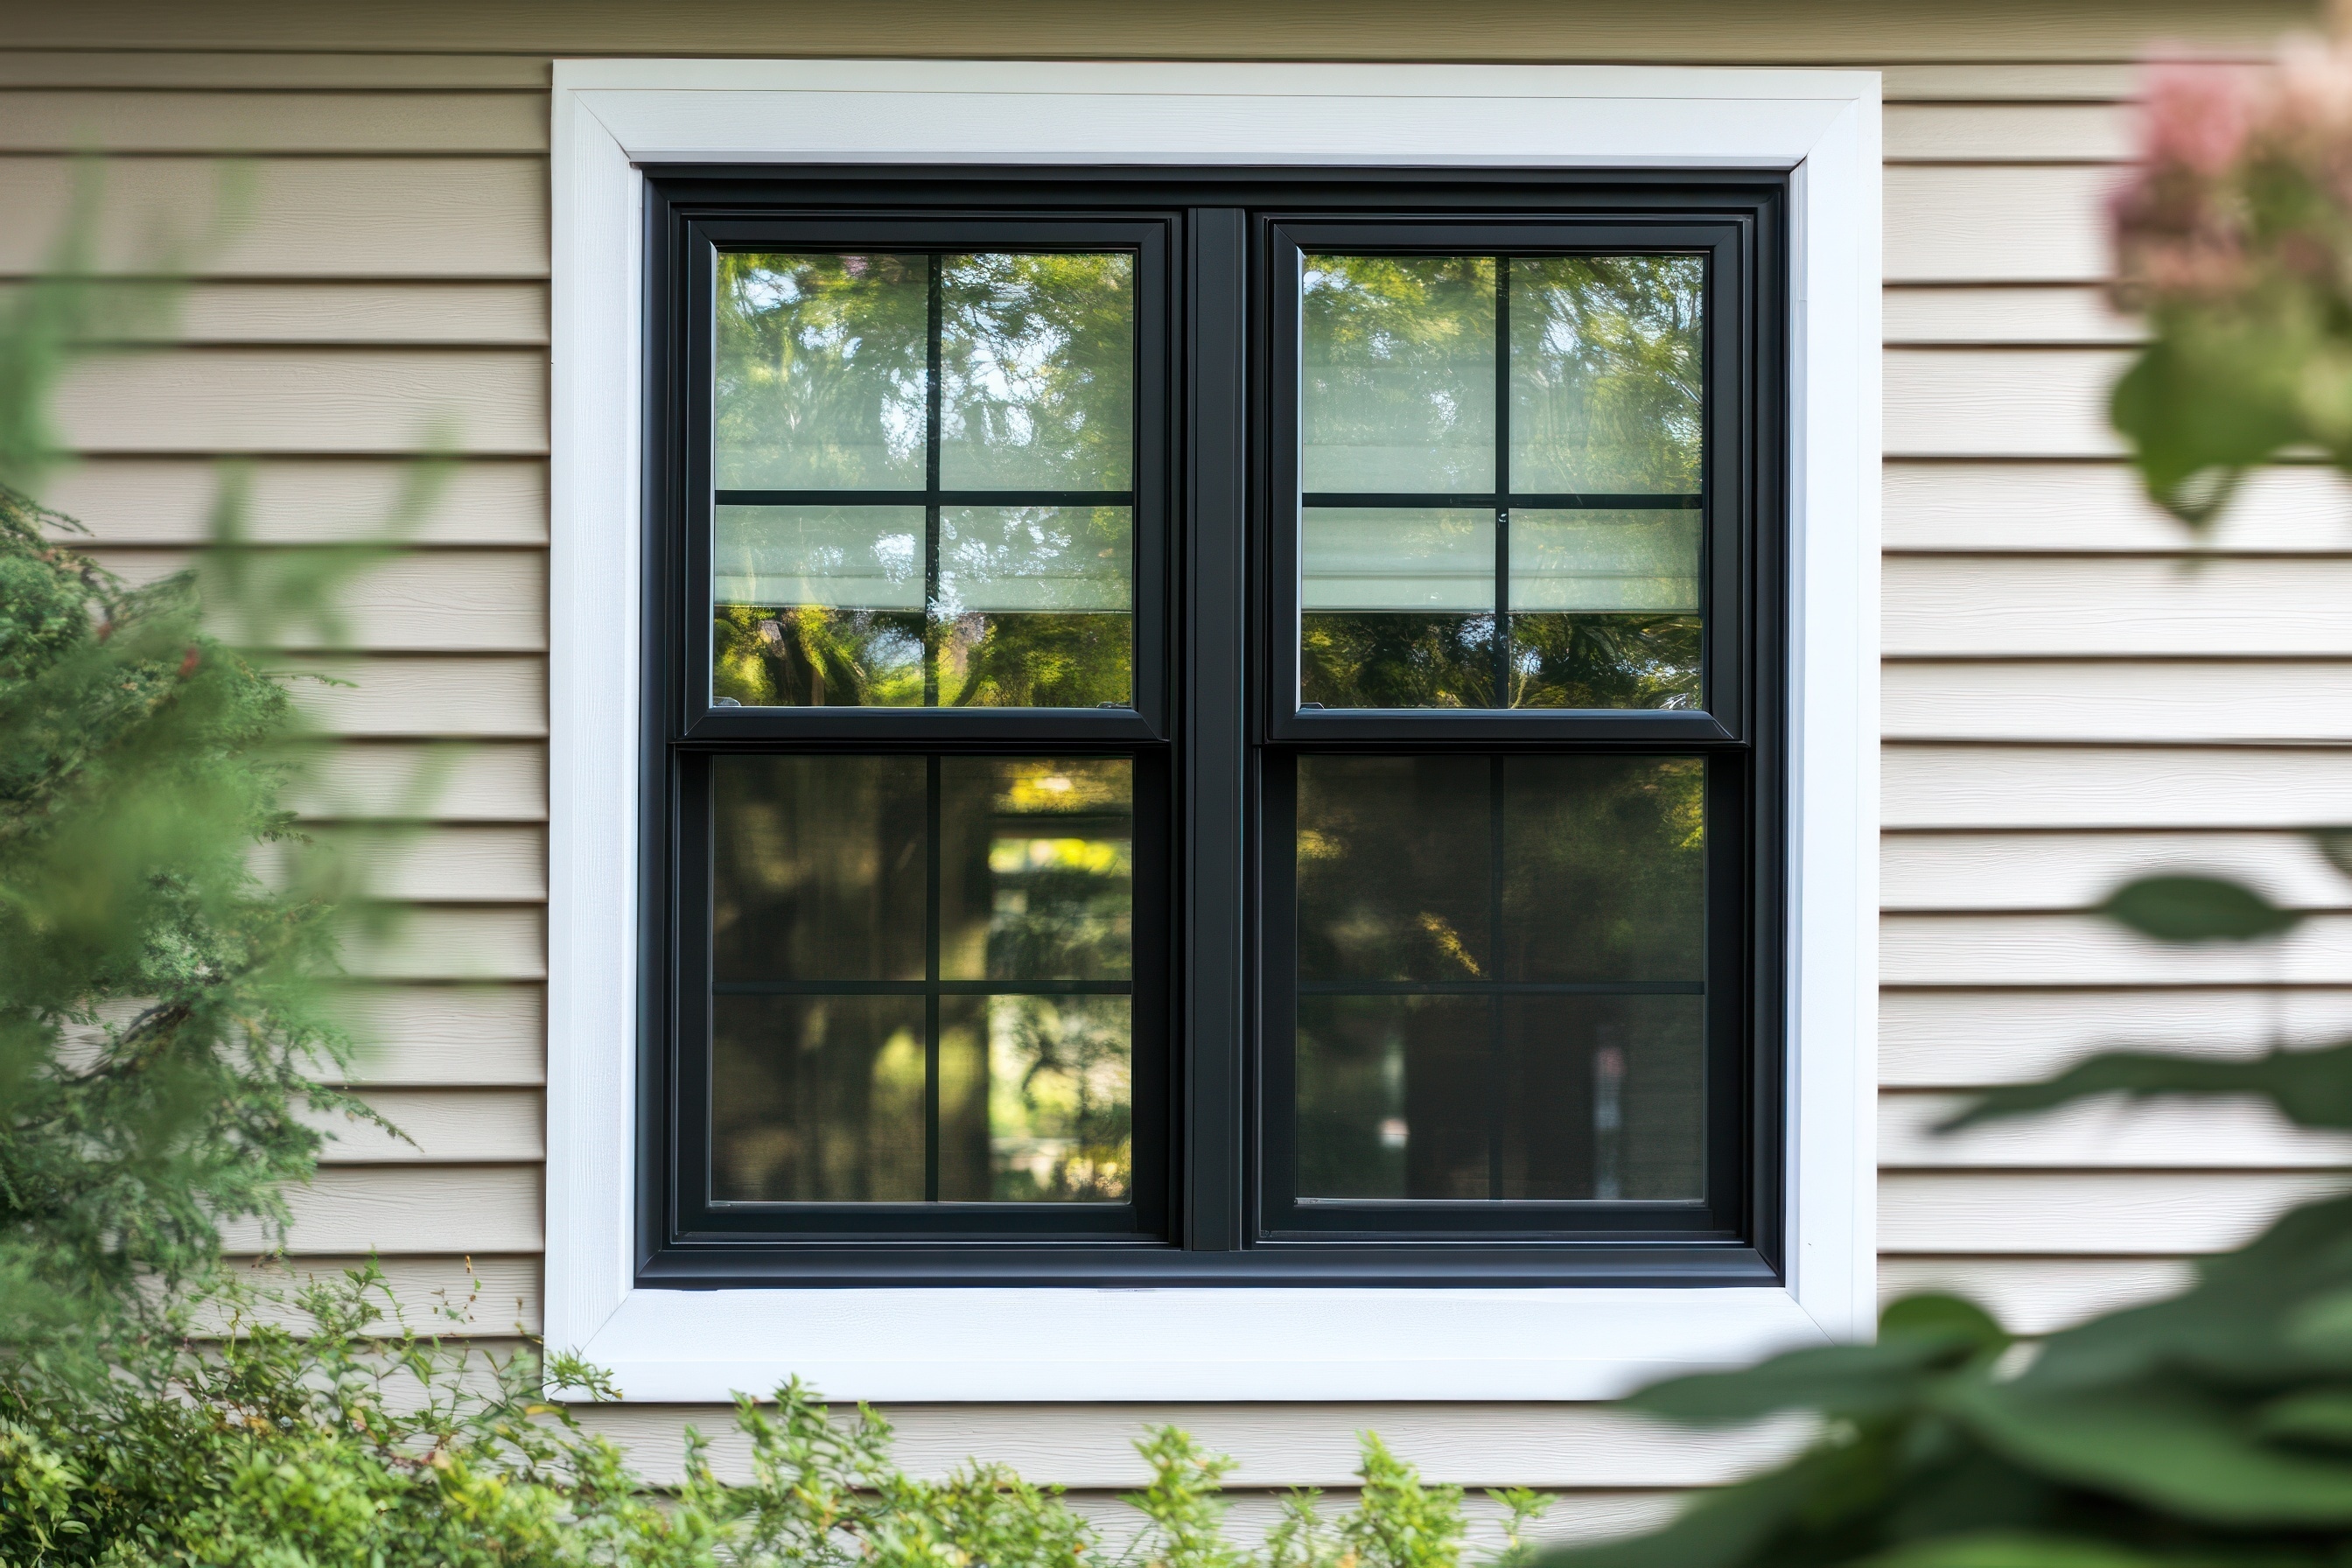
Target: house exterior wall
2065,702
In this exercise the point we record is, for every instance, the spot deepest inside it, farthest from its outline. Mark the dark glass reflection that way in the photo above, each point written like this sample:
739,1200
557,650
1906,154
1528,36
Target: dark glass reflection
1393,857
1445,905
817,868
820,866
818,1099
1604,869
1542,1099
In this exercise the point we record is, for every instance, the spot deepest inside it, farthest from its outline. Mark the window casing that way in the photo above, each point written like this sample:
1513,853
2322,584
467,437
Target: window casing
1218,741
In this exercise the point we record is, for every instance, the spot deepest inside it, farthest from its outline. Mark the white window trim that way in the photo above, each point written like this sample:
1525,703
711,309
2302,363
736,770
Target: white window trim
1194,1343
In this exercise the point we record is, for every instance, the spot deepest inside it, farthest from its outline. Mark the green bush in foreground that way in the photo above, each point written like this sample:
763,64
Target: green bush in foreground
358,1441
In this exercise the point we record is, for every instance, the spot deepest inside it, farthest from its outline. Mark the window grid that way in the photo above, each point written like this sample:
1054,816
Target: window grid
1502,500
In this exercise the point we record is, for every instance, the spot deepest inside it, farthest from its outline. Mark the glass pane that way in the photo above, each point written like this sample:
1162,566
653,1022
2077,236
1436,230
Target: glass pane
1398,383
1603,1097
817,1099
1393,857
1607,368
1037,371
1397,607
1392,1096
1035,607
1037,869
1036,1100
1605,609
1604,869
817,607
817,868
821,377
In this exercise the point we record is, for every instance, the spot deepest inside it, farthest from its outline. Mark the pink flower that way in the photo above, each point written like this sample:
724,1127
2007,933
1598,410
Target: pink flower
2197,114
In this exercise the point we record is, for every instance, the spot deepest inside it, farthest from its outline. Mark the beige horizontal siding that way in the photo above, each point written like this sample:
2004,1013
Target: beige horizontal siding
456,1209
1969,1036
275,400
2007,133
440,1126
2169,1135
317,217
254,312
144,500
441,862
442,600
2066,703
471,694
2036,1295
1984,606
2174,700
2088,1212
2079,950
2015,224
2113,786
450,1035
2044,871
156,119
1983,505
1945,315
463,943
478,781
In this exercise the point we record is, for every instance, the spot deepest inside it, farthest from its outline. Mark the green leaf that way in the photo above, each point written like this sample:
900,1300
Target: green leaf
2315,1415
2197,909
2311,1088
2010,1550
2200,408
1919,1338
2166,1443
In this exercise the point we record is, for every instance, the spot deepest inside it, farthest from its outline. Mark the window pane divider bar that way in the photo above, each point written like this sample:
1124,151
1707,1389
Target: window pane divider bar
1489,500
930,496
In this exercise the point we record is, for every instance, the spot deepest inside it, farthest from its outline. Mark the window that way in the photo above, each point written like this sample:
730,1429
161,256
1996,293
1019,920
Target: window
1213,728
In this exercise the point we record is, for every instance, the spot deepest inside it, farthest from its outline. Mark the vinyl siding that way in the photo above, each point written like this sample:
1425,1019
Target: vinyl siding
2067,701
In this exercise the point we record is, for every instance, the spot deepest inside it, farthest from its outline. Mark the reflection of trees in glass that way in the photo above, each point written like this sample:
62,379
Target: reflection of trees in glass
1607,374
820,371
822,384
1605,661
816,656
1399,372
1373,659
1037,362
1060,1099
1037,868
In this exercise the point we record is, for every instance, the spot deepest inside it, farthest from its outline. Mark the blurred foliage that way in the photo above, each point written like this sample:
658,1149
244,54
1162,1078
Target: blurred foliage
2234,240
160,1010
2212,1430
327,1431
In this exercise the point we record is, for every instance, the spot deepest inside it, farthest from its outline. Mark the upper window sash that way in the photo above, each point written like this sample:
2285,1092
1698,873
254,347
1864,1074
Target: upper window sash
693,713
1732,401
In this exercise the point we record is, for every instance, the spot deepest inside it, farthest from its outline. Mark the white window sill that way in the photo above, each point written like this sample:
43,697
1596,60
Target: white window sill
692,1346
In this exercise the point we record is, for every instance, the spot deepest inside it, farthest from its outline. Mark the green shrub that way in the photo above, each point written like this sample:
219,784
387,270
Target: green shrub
359,1440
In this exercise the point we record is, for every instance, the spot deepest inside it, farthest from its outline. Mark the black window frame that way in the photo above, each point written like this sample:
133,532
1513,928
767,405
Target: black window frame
1214,712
